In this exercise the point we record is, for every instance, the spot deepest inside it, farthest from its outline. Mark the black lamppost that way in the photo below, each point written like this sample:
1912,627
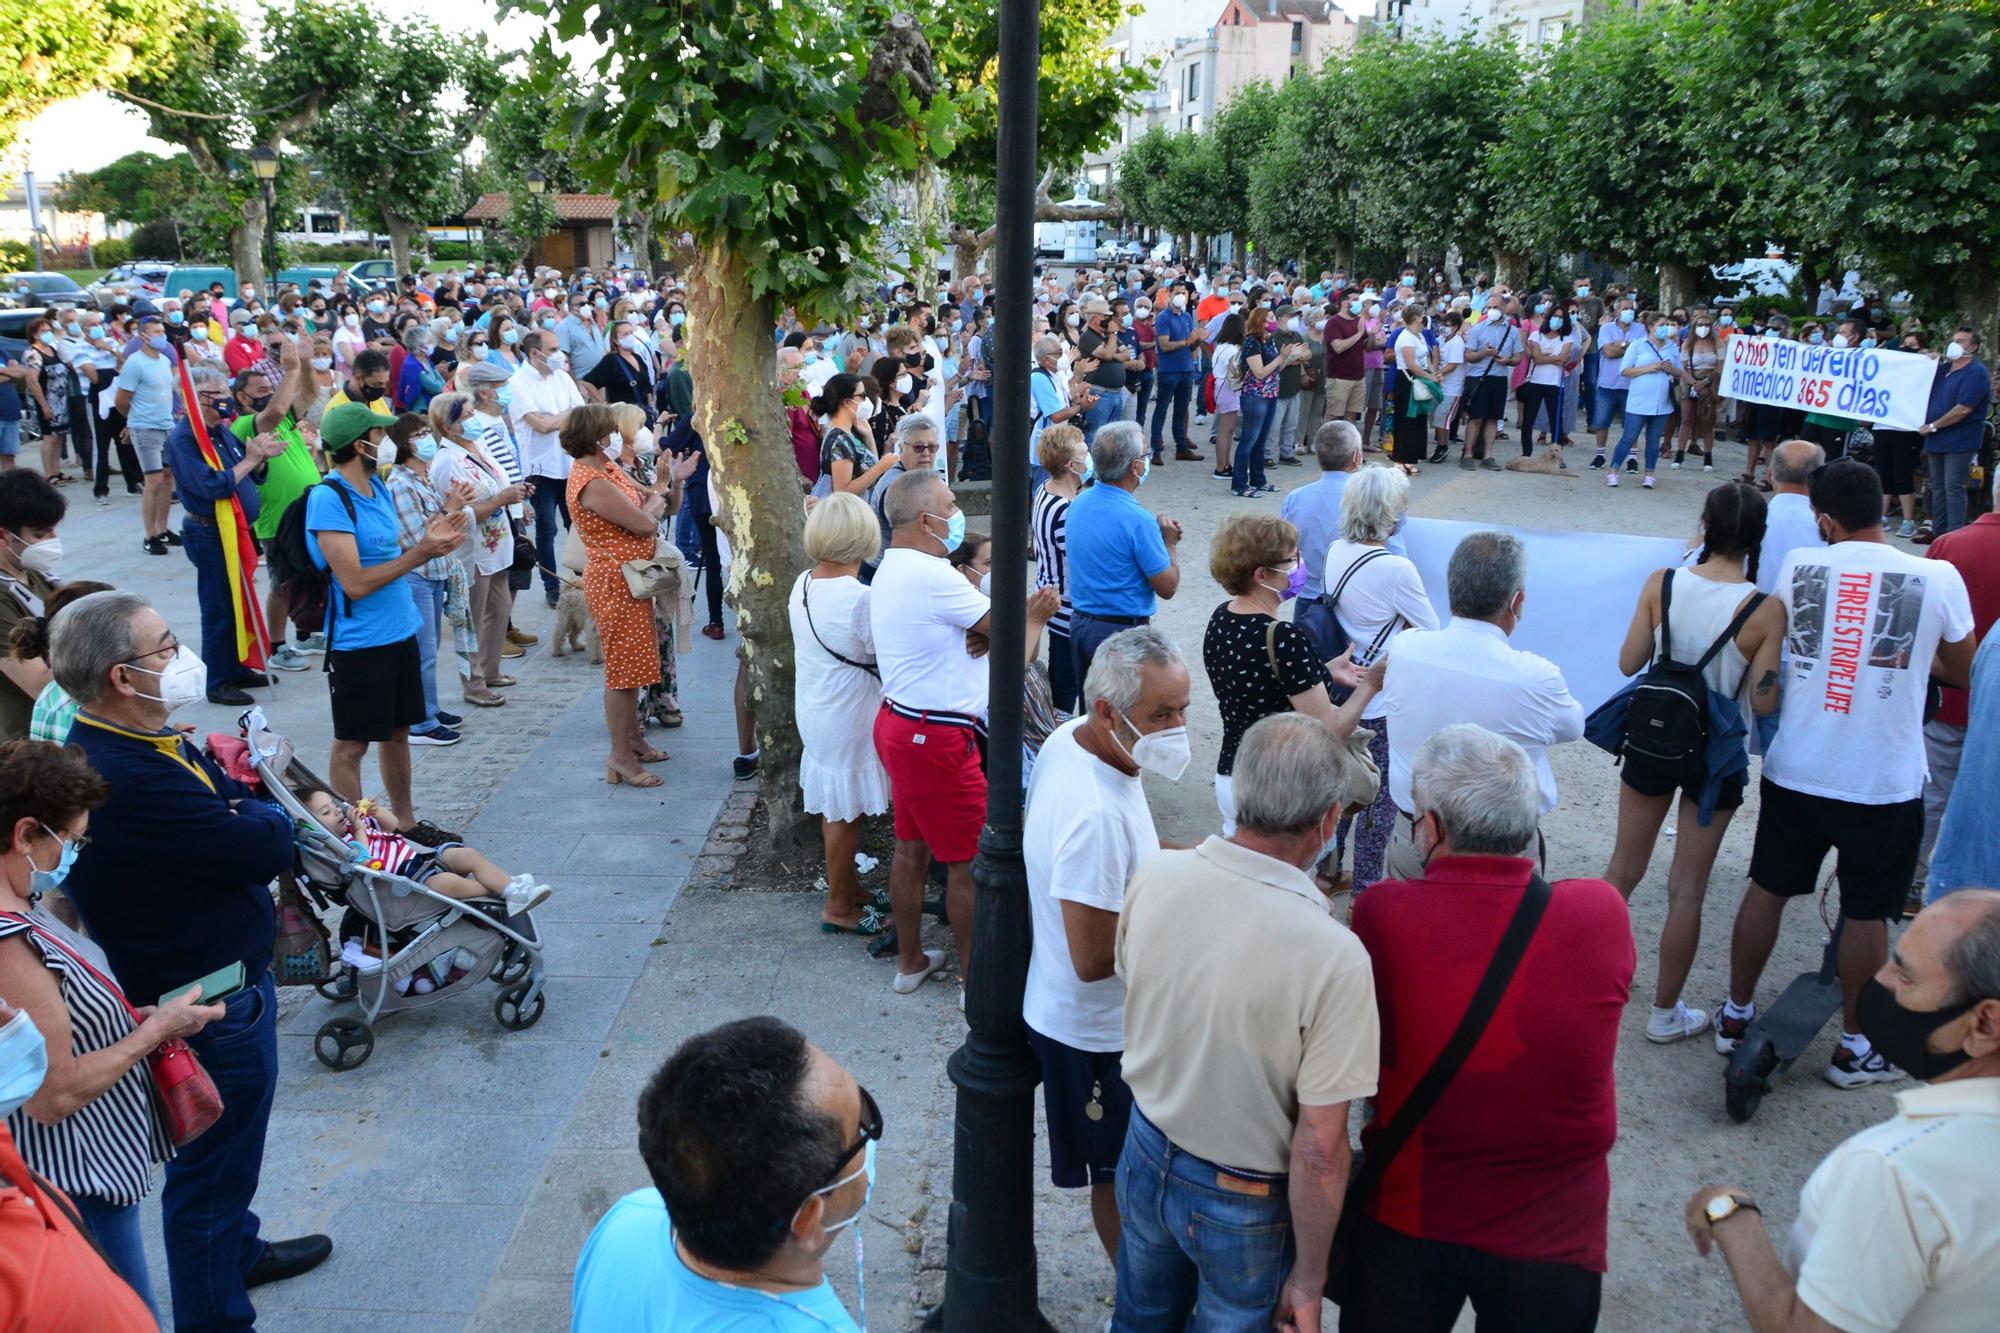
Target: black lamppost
537,182
990,1281
265,163
1354,226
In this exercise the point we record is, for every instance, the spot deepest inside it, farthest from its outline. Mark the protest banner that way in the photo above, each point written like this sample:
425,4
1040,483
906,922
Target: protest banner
1582,587
1868,384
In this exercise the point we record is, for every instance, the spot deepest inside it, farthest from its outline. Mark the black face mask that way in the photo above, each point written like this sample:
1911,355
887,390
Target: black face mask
1902,1035
914,359
370,392
260,403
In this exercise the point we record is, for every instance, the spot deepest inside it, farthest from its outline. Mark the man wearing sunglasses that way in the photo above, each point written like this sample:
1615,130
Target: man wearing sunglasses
762,1153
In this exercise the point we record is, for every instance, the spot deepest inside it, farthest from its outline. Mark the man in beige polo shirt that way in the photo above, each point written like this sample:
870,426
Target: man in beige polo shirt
1250,1025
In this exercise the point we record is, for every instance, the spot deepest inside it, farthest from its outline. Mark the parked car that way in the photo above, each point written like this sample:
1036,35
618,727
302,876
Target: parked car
372,275
198,278
304,274
129,282
39,289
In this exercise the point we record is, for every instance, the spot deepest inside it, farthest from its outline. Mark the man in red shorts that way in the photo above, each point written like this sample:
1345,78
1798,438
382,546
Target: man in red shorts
933,713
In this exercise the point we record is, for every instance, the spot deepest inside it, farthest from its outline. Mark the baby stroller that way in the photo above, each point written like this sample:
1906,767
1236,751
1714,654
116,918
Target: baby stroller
417,931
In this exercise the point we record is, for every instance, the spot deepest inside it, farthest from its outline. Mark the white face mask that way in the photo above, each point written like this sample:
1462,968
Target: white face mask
41,556
1701,330
322,363
903,383
616,448
1840,340
558,362
866,409
1073,319
1167,752
1954,352
184,680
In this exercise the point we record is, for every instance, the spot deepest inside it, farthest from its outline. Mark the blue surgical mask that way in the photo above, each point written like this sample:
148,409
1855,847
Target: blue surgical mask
24,1062
158,342
46,337
1815,337
1867,343
42,881
175,317
1664,332
510,336
424,447
954,531
73,329
1542,308
867,1170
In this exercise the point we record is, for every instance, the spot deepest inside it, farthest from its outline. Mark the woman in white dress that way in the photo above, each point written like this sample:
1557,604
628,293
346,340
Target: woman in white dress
838,694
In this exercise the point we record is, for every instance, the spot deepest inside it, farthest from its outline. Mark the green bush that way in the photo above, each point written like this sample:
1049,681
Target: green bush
112,252
450,250
333,254
158,239
16,256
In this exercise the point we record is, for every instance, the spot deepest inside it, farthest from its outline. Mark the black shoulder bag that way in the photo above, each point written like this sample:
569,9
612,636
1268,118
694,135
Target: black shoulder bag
805,600
1499,973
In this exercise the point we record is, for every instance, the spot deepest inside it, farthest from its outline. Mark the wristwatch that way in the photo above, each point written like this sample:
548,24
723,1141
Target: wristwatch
1727,1205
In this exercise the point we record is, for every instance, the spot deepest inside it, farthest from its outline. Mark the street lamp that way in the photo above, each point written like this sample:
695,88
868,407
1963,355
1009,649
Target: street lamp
1354,224
537,182
264,162
990,1281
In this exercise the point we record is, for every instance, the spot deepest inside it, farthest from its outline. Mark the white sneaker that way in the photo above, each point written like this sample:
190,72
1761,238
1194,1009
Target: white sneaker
1648,482
1848,1070
906,982
524,895
1611,480
1729,1031
1679,1025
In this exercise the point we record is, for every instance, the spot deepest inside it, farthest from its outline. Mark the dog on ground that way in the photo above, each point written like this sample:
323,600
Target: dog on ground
1549,462
575,631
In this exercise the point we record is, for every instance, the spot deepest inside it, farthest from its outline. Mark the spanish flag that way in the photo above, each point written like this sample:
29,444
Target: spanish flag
239,553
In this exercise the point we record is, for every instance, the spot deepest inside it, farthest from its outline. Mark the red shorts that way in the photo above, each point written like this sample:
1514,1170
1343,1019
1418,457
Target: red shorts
936,783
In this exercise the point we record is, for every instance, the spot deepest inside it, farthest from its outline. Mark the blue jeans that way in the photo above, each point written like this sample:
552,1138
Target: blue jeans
1949,475
1109,407
211,1234
1634,423
1174,388
1086,632
1247,468
1193,1255
550,501
203,545
116,1227
1062,672
429,597
1140,386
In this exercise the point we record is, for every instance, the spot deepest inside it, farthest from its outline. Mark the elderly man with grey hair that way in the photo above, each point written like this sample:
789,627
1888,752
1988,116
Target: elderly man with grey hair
1121,557
1467,672
914,446
1503,1197
174,886
1789,522
241,474
1250,1027
1314,509
1051,400
1087,828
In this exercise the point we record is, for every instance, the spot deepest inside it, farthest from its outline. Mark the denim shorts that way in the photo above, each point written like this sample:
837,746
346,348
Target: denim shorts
151,446
10,438
1604,404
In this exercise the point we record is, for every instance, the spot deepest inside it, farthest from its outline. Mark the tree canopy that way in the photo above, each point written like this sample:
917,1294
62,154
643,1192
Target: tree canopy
54,49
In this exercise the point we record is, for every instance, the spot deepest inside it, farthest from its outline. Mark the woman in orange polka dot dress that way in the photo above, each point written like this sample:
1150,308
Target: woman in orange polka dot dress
617,522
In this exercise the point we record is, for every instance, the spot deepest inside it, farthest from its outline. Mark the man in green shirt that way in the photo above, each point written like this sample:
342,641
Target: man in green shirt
263,410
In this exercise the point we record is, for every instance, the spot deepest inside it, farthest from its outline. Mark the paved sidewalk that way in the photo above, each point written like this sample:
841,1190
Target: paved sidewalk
421,1163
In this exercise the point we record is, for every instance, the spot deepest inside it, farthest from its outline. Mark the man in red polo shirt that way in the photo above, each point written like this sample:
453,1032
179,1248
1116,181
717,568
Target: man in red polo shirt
1502,1195
1974,551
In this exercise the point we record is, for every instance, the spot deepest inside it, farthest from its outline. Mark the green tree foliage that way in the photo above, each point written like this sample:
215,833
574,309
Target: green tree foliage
1298,202
53,49
1081,98
762,132
137,188
266,89
391,144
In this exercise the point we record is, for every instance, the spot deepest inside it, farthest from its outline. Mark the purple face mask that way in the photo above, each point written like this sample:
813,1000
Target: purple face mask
1296,584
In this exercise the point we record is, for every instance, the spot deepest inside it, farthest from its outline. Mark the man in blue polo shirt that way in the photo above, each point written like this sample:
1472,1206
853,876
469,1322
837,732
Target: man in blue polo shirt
373,663
1961,395
1120,557
1174,332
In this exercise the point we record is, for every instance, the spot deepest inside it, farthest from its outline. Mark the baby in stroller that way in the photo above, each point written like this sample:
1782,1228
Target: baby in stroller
453,869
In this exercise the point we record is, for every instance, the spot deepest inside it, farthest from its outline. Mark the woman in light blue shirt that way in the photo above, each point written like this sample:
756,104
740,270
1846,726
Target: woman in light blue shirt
1649,369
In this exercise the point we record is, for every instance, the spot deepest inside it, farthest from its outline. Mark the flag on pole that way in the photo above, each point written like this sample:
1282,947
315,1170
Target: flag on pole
239,552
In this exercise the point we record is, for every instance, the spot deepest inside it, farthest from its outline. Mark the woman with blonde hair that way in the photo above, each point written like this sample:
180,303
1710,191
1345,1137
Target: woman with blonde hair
838,692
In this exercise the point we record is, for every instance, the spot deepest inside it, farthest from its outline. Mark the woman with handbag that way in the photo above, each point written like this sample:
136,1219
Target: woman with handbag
673,614
619,523
489,552
1415,385
95,1127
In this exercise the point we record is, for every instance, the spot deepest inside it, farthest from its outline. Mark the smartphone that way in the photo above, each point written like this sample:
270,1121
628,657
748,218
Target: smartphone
217,985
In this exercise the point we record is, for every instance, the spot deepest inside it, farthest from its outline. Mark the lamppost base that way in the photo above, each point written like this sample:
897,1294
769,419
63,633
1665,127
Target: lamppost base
934,1321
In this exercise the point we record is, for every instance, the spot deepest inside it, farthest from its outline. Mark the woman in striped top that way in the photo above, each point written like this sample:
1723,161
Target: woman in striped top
1060,452
93,1127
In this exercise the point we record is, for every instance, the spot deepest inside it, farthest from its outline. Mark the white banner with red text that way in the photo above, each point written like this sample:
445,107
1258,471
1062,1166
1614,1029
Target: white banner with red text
1868,384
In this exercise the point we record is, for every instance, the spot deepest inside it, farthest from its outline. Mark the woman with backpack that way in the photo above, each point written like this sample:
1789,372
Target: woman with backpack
1716,618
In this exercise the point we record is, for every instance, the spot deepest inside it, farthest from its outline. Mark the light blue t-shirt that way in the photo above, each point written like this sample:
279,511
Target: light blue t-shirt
630,1279
1611,331
1113,548
1649,395
1315,511
387,615
1049,399
151,380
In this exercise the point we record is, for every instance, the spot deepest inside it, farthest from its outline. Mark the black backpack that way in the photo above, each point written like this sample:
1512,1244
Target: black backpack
289,545
1316,617
1667,720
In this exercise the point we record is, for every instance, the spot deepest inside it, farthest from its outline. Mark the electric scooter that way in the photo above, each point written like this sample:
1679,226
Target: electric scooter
1782,1032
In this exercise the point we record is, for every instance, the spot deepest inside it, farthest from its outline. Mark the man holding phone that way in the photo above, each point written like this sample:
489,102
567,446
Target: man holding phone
175,887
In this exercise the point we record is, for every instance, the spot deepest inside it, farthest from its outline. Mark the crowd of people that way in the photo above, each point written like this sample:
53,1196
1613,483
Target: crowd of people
409,462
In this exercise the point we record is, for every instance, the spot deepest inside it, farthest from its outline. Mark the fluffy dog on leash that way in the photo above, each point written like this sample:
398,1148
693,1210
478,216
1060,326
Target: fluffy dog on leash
574,630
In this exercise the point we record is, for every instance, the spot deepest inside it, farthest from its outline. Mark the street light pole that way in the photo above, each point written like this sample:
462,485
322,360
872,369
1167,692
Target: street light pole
264,162
537,182
990,1278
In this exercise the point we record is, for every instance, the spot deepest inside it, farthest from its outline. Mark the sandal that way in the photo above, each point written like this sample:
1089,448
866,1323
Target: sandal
651,756
672,717
614,777
872,923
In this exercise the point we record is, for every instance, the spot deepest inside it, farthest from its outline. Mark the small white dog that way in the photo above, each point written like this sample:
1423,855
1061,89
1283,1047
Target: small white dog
575,631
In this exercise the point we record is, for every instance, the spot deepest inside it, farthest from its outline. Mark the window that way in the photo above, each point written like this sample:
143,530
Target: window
1552,32
1193,83
1192,123
1298,37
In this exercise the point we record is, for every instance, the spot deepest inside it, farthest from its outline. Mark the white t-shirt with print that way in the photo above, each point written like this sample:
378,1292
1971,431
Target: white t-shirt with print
1864,620
1452,353
920,608
1086,828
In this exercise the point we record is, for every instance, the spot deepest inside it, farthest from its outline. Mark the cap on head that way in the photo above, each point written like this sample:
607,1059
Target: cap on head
342,425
